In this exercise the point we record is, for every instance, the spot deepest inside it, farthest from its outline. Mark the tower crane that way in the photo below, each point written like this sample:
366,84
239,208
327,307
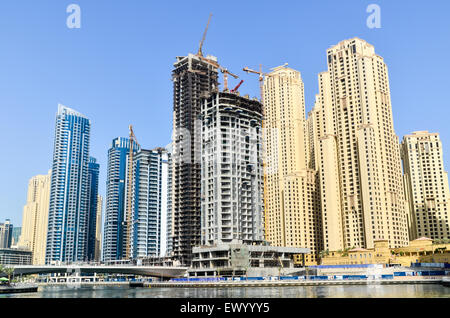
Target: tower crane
200,53
261,79
237,87
224,70
262,75
225,73
128,223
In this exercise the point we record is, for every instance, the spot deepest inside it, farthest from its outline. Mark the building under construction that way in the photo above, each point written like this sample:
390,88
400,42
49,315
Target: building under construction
232,170
194,77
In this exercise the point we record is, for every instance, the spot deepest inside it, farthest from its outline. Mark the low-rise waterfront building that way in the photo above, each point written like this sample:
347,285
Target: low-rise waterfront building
421,250
15,256
236,259
157,261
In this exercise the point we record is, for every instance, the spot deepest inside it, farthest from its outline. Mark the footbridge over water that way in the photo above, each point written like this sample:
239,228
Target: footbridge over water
151,271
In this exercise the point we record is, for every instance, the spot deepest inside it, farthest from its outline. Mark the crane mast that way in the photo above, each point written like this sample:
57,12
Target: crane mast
200,53
224,71
261,81
225,77
262,75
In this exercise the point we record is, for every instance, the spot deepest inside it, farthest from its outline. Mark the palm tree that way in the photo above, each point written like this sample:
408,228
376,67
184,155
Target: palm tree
324,253
8,271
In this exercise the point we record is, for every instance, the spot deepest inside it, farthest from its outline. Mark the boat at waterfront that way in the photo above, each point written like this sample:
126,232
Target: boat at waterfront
446,281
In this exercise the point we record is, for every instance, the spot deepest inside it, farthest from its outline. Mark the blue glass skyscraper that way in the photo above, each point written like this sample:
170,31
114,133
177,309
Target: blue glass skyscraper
6,231
113,231
69,190
94,171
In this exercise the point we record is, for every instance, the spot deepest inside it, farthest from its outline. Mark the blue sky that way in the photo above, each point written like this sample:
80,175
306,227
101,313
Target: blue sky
116,68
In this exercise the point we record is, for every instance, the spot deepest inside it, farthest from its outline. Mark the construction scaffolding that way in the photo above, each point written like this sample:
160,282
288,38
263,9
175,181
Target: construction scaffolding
193,78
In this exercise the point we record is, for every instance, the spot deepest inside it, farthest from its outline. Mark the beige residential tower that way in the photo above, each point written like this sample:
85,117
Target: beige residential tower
426,185
291,194
35,217
98,230
357,152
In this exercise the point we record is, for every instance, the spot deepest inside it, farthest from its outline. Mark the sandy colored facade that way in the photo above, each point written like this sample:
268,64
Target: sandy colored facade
291,197
98,229
426,185
357,152
35,217
422,250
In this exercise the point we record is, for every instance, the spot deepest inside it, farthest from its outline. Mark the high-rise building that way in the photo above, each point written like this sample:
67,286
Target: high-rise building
169,216
292,201
35,217
69,190
193,78
231,170
358,153
426,185
6,230
94,171
150,195
98,231
113,231
323,150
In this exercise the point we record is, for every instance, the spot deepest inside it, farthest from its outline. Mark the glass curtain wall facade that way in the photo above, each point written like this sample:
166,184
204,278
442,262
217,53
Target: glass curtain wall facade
94,171
150,201
69,190
113,240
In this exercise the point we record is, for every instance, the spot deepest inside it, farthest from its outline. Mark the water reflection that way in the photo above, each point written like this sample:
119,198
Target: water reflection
354,291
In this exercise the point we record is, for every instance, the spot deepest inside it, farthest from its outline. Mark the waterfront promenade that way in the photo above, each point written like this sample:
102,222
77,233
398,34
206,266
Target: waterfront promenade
285,283
250,282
